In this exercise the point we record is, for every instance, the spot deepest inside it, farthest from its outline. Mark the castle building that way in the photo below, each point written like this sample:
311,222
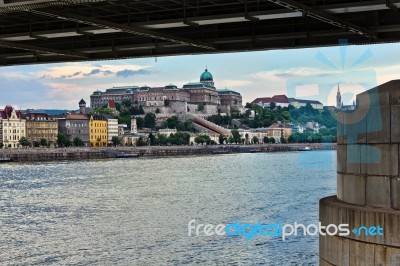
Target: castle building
170,99
39,125
284,101
12,127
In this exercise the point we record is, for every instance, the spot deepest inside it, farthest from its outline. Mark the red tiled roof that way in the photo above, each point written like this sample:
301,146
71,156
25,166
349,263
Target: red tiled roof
77,117
6,113
262,100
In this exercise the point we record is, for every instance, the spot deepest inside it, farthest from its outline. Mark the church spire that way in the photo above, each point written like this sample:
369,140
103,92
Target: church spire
339,102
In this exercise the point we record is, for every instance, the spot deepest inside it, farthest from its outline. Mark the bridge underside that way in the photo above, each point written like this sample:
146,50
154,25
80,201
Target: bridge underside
41,31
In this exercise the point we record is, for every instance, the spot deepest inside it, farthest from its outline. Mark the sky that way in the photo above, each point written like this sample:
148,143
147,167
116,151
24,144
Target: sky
312,73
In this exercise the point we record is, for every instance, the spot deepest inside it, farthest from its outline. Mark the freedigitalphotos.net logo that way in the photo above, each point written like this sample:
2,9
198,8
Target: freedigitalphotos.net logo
280,230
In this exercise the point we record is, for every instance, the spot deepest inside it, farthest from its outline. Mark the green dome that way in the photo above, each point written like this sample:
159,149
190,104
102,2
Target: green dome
206,76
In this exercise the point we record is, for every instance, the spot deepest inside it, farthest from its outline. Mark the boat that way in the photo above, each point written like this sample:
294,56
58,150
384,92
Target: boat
127,155
5,160
304,149
220,151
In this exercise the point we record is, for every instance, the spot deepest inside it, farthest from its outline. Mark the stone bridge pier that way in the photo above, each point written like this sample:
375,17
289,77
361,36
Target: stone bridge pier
368,183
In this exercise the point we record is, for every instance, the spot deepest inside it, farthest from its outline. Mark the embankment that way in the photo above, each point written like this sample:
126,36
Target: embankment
30,155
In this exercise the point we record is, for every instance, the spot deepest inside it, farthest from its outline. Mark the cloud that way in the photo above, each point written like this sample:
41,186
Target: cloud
82,70
129,72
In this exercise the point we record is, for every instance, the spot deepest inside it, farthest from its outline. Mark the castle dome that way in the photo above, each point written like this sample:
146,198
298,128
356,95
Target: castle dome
206,76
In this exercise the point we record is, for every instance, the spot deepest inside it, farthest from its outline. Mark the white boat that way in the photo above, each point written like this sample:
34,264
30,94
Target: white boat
307,148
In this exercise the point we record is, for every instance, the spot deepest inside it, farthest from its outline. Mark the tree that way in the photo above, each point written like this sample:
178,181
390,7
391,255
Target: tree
1,145
115,141
231,139
283,140
62,140
126,103
102,111
141,142
246,136
141,111
266,139
201,139
221,139
255,140
139,122
236,135
152,139
24,142
77,142
43,142
271,140
162,139
150,120
200,107
158,110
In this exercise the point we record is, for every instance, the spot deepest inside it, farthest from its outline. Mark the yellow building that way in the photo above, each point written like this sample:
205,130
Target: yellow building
98,131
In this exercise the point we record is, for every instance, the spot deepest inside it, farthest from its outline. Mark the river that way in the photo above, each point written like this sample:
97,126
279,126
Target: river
136,211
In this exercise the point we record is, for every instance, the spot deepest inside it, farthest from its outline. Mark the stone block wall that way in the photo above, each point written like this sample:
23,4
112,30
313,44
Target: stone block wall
368,182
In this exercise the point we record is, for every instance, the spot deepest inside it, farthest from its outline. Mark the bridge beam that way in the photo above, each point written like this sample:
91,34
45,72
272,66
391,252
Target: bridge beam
123,28
325,17
40,49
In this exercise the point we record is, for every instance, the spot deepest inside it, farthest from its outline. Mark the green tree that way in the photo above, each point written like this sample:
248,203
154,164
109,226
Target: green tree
62,140
150,120
221,139
236,135
1,145
246,136
24,142
255,140
271,140
139,122
283,140
162,139
141,111
152,139
126,102
201,139
231,139
141,142
158,110
102,111
266,139
115,141
77,142
44,142
200,107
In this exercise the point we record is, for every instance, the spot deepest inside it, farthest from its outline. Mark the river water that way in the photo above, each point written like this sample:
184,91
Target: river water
136,211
